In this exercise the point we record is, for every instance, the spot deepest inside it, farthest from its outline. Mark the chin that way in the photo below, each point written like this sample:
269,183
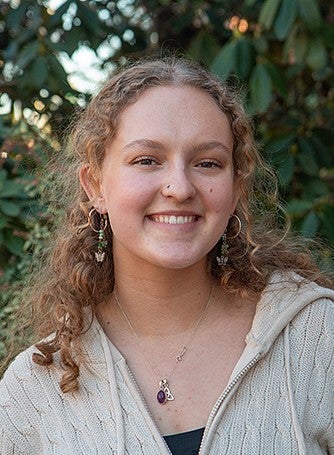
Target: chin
178,264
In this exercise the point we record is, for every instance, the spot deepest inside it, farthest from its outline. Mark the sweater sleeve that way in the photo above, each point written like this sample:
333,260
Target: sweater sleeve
19,409
312,364
326,365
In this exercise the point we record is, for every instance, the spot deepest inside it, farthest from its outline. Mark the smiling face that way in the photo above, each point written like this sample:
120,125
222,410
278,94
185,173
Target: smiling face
167,181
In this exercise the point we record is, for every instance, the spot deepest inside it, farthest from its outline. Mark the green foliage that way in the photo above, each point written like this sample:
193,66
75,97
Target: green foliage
281,51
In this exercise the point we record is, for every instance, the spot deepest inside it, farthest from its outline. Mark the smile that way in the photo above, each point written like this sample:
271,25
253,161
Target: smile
172,219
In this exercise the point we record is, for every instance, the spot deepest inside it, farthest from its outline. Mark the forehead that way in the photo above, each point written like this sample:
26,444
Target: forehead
173,109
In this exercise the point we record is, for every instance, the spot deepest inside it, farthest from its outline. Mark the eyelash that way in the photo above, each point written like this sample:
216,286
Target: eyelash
145,161
212,164
149,161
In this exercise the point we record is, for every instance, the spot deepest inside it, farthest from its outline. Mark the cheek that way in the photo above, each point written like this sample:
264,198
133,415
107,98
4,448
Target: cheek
221,204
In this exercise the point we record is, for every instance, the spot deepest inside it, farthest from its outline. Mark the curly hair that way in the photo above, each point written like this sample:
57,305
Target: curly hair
72,278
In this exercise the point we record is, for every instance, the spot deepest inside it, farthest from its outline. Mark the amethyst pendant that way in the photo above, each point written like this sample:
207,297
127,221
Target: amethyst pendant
164,394
161,397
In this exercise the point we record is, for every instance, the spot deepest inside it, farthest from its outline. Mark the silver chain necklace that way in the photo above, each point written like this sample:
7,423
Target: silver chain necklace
164,393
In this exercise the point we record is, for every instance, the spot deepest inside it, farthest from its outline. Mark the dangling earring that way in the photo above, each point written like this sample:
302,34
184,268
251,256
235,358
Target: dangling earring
102,242
223,257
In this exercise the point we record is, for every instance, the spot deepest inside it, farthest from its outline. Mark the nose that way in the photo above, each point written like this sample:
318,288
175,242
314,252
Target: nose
178,185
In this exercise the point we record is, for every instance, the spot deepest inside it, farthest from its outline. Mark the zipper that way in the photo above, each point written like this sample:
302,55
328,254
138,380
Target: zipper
224,395
140,393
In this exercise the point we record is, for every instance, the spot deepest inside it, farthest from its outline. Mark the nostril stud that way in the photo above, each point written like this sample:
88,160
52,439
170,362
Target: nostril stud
168,186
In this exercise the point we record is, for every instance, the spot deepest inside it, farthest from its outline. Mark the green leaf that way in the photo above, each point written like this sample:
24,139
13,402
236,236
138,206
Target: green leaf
72,39
9,208
285,18
11,50
307,157
39,72
3,176
327,31
204,47
327,217
315,188
297,206
300,47
16,16
260,88
285,170
278,78
296,45
268,12
317,55
245,57
225,62
13,244
280,143
324,153
57,16
310,14
3,221
57,70
89,18
28,53
261,44
310,225
11,189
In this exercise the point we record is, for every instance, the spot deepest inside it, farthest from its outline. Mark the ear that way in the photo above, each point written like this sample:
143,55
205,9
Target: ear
91,187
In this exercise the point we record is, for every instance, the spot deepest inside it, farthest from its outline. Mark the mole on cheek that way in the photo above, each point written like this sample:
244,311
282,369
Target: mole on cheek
210,190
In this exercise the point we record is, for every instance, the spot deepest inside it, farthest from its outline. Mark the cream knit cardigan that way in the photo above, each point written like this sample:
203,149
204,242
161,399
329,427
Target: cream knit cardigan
280,397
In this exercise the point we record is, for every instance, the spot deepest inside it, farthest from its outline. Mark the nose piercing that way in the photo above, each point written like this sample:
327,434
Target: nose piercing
168,186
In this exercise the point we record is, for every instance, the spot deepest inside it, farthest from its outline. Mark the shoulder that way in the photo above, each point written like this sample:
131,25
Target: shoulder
22,402
314,325
288,300
24,381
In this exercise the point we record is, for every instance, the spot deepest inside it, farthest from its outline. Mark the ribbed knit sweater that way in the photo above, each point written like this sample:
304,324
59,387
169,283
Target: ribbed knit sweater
279,400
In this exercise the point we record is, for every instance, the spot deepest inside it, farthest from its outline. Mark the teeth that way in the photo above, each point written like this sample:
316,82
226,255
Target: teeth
174,219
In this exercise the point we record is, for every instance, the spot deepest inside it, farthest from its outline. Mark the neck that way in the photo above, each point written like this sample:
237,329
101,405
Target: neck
162,302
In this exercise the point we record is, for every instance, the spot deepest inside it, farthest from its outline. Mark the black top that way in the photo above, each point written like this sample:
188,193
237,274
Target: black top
187,443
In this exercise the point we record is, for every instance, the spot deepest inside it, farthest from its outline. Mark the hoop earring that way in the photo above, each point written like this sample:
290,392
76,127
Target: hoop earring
102,242
239,226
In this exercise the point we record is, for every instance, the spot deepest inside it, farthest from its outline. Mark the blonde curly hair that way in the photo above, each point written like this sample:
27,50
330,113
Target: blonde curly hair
72,280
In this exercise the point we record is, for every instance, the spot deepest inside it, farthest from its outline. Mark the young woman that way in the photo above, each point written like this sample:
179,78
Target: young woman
175,319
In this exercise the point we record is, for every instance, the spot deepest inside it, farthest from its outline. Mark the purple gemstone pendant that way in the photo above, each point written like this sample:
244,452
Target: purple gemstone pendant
164,393
161,397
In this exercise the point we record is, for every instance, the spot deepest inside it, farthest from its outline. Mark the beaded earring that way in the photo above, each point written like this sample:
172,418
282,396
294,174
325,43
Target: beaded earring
102,242
223,257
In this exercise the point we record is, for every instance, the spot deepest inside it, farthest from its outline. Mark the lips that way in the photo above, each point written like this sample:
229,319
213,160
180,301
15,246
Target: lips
174,219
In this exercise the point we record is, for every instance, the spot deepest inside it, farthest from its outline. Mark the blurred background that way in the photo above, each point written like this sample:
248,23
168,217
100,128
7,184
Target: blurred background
54,54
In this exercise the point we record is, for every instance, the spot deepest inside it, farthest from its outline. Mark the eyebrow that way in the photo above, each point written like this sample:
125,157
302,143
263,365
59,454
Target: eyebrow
201,147
147,143
211,145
